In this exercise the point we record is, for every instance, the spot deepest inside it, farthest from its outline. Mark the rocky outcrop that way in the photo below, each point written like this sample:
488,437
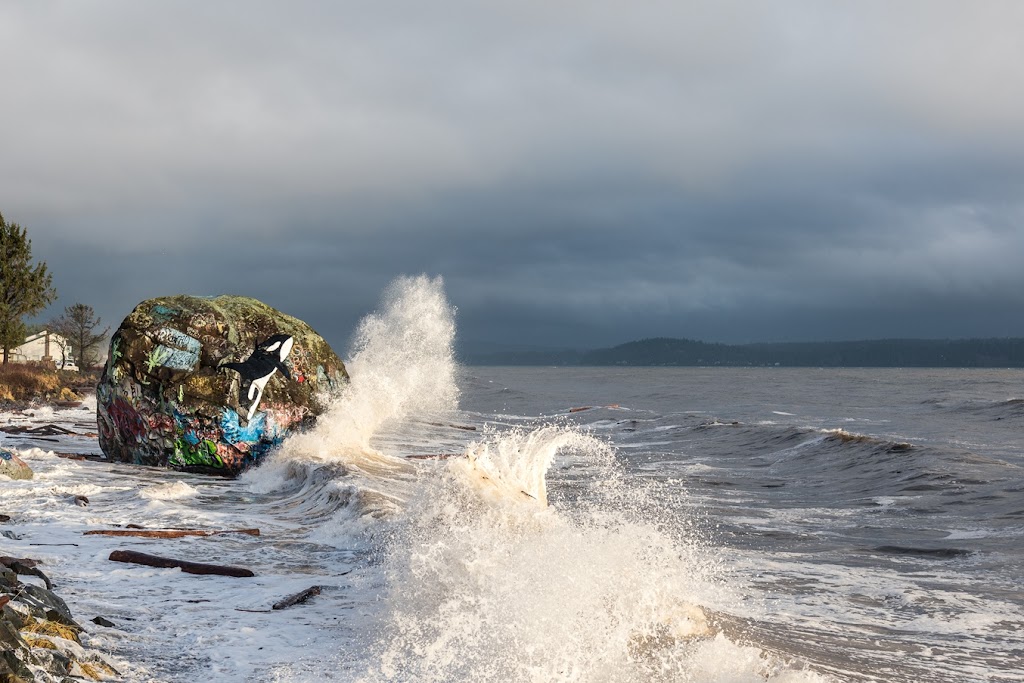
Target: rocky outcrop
39,638
210,384
13,466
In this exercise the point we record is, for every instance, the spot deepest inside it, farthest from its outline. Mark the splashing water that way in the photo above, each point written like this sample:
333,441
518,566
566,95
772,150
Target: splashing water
402,364
477,576
486,582
517,461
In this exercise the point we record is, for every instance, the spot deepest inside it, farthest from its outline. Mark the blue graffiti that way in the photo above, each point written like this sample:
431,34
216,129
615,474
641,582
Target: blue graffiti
176,351
257,429
164,312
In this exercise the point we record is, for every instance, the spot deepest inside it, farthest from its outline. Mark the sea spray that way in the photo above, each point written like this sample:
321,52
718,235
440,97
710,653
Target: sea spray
487,582
515,462
401,365
402,368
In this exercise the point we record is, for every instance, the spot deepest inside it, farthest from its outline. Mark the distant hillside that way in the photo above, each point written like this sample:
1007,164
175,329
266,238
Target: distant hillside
961,353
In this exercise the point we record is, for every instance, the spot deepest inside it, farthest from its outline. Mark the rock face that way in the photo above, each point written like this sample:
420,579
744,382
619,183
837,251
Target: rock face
39,639
13,466
210,384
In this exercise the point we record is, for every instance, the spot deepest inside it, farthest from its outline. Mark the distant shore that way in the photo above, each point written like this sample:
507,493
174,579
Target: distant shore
873,353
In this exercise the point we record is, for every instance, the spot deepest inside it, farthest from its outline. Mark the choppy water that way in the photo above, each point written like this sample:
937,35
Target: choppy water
700,525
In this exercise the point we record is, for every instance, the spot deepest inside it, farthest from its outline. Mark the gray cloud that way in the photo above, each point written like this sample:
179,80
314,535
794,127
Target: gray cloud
581,173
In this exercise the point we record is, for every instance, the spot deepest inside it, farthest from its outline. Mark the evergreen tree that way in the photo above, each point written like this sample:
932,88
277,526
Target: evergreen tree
78,325
25,289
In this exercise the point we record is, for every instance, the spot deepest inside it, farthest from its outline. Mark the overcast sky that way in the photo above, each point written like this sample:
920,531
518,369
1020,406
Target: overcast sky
581,173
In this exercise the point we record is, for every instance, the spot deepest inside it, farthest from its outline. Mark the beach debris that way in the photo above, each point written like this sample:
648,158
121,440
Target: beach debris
81,456
41,430
13,466
465,428
67,404
210,385
298,598
169,563
168,533
580,409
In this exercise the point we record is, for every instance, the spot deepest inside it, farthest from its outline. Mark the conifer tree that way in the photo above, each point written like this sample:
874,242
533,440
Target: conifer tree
25,289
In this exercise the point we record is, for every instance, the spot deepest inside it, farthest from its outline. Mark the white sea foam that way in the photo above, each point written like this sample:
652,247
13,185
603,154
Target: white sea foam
177,490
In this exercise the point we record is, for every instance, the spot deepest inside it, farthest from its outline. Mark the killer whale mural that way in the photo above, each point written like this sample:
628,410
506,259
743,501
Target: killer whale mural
267,358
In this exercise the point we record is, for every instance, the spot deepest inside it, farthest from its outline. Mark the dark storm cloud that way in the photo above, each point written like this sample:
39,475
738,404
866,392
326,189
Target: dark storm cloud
581,173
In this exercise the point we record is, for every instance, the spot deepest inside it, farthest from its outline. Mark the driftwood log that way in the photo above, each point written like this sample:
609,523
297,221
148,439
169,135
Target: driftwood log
297,598
185,566
167,533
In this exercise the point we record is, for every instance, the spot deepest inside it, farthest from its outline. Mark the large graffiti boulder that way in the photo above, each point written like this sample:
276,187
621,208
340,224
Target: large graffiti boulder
210,384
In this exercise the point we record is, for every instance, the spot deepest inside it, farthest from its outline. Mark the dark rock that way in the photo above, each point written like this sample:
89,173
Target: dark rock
12,669
5,518
8,578
13,466
210,384
12,617
10,638
31,620
100,621
24,567
45,604
54,662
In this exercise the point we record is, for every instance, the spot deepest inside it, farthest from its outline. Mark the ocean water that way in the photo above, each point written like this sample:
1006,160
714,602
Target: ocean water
565,524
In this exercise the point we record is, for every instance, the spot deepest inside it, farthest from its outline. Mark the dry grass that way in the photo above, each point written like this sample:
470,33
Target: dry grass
44,627
37,382
97,670
39,642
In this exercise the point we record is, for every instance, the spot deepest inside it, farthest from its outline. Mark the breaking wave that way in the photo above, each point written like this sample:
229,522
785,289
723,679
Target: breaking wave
401,364
529,555
487,582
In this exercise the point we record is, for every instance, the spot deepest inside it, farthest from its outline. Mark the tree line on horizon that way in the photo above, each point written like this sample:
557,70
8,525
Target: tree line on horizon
884,353
26,289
